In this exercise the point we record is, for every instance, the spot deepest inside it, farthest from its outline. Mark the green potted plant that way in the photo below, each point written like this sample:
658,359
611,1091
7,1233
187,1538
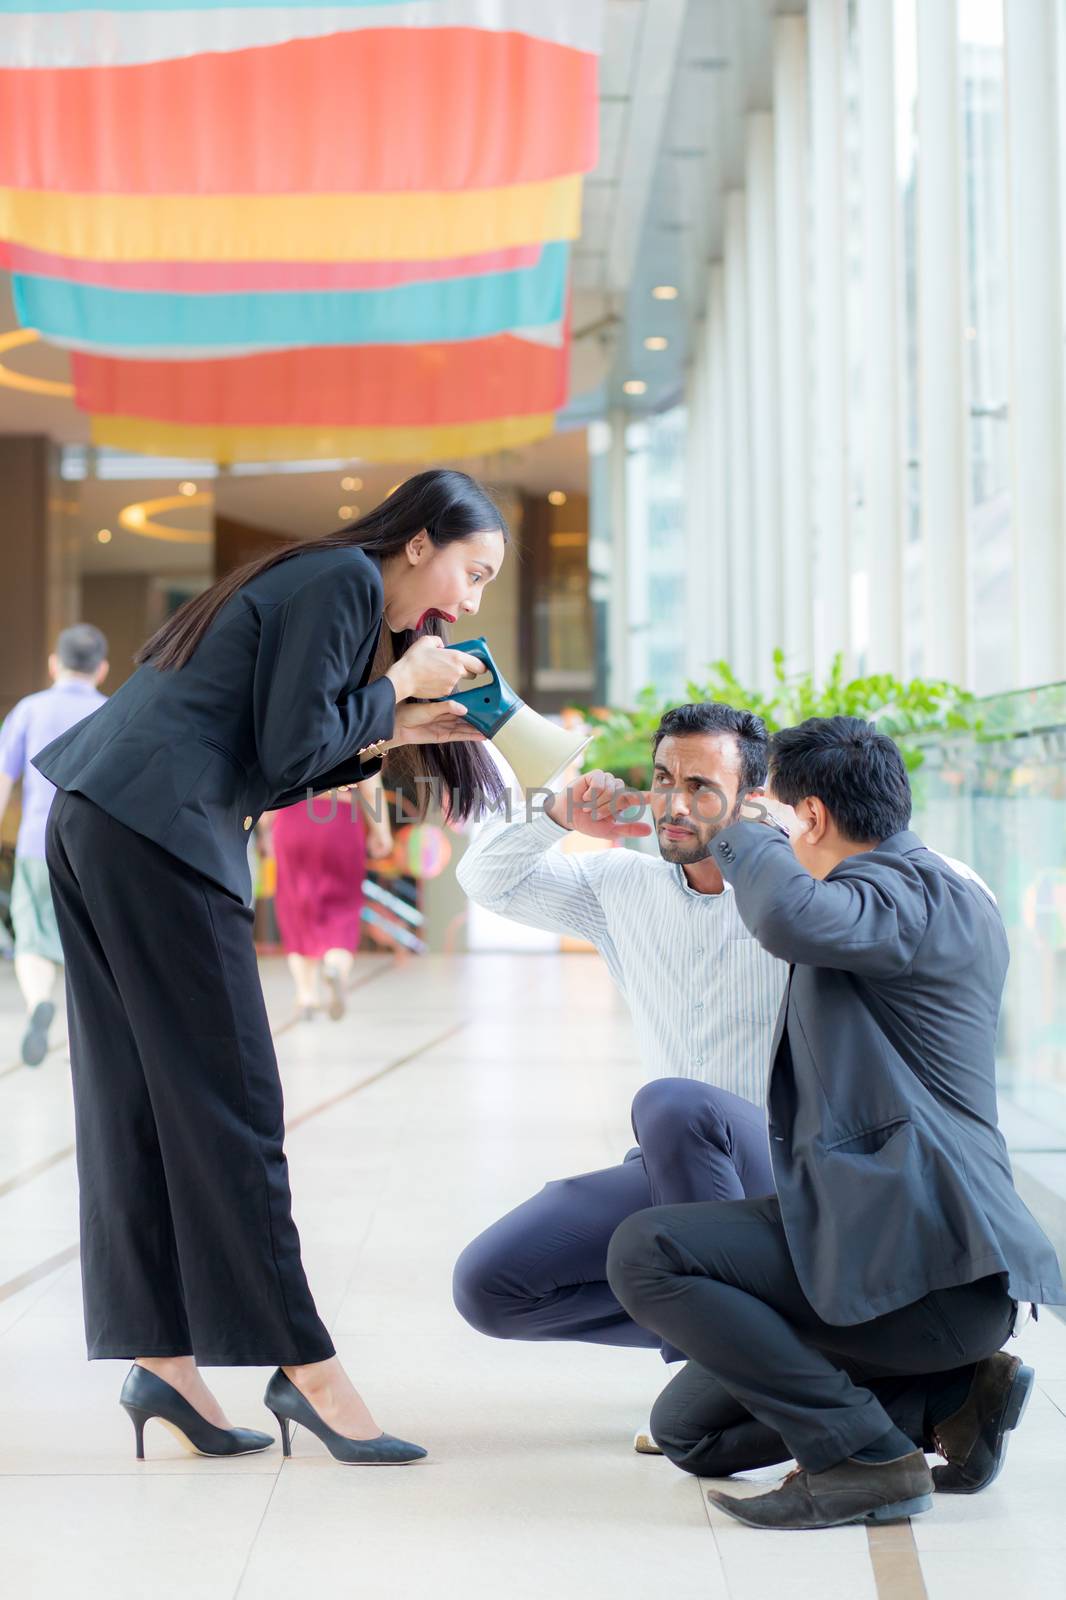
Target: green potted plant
904,709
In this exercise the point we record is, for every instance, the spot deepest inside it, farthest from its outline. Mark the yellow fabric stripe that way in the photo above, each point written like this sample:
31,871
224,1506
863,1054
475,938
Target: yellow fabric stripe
444,443
353,227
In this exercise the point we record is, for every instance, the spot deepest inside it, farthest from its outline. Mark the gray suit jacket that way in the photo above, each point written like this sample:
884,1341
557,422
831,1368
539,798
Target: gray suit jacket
893,1176
274,701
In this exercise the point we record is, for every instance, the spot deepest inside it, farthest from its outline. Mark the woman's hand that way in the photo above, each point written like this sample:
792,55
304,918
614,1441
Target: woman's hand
379,841
429,671
435,724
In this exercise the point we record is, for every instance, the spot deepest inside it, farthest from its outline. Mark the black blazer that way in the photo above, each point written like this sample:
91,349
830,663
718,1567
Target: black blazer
274,701
893,1176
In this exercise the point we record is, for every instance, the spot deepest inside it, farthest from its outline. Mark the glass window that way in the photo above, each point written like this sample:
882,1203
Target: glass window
907,193
987,333
656,550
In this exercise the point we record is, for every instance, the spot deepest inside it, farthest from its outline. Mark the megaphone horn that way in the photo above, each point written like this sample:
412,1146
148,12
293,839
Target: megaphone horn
536,750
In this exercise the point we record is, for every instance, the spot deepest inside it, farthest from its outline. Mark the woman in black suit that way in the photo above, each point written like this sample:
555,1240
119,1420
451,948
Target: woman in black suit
265,689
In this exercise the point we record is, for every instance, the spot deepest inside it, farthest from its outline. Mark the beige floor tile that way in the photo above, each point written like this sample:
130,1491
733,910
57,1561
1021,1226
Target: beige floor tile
767,1565
994,1574
531,1487
562,1522
119,1538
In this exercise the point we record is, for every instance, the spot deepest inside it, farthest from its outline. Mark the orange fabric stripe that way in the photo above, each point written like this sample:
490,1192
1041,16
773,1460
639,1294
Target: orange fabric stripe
389,110
364,386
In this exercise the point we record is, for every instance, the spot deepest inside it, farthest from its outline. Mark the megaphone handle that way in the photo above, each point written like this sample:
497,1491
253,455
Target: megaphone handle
480,649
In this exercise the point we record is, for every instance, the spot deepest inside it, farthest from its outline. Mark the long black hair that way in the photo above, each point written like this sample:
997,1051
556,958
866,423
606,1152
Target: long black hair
448,505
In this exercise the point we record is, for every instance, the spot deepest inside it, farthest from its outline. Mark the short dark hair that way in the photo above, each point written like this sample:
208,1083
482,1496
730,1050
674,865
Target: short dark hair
81,648
712,717
857,773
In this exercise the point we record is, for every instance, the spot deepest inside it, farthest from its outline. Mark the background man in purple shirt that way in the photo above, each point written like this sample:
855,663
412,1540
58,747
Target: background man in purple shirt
77,668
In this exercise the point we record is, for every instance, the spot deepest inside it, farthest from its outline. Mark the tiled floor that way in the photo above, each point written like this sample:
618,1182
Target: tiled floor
453,1089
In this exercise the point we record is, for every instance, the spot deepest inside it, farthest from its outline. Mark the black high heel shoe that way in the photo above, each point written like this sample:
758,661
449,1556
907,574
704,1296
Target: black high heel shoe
288,1405
145,1396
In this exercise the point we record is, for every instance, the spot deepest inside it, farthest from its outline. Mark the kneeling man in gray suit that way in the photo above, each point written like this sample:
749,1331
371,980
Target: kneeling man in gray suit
855,1318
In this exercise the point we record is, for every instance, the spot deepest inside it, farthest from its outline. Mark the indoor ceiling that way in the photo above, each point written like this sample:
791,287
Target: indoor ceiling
300,504
676,78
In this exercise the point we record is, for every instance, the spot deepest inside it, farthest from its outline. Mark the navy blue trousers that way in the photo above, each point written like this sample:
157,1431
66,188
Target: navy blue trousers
540,1272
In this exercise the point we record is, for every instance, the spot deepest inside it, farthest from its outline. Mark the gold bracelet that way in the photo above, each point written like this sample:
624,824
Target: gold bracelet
375,751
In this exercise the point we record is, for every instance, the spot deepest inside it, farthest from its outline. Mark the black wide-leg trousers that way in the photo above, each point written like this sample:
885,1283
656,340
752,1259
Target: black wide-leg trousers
188,1246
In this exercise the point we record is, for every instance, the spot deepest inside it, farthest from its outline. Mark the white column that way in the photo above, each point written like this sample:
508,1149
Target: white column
620,687
1038,498
882,354
763,396
942,390
696,553
699,627
793,311
717,466
741,611
827,21
707,502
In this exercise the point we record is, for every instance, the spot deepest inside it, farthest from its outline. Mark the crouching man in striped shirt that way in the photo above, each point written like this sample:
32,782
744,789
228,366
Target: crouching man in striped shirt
703,995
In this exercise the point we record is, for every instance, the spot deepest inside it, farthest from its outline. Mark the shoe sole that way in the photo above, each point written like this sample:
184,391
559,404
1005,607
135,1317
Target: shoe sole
35,1039
368,1461
1018,1397
336,1007
898,1511
645,1445
209,1455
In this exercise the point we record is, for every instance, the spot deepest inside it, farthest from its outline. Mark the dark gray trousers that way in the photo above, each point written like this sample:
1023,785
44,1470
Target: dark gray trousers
540,1272
767,1379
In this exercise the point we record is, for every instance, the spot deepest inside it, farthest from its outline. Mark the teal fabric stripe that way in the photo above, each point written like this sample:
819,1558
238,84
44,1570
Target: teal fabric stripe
420,313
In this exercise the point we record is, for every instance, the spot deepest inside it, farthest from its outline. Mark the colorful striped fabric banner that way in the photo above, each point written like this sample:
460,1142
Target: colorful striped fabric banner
375,385
304,229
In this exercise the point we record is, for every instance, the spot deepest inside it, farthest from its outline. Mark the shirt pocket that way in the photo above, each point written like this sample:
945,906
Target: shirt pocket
752,998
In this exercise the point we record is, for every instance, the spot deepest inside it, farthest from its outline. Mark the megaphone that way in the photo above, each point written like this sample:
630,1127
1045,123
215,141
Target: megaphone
536,750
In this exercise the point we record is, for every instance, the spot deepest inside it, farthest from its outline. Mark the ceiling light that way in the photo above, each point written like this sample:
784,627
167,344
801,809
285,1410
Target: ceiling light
348,513
664,291
104,536
634,386
187,488
142,516
557,498
17,380
351,485
656,342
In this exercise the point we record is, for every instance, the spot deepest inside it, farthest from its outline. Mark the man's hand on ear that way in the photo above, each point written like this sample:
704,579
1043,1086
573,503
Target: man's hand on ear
760,806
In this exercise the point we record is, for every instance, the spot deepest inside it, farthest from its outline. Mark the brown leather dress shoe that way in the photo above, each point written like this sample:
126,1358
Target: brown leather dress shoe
973,1442
852,1491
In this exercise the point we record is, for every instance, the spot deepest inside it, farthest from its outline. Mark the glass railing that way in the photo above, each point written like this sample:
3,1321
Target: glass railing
997,800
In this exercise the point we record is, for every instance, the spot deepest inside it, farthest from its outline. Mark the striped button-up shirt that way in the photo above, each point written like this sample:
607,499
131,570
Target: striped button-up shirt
703,994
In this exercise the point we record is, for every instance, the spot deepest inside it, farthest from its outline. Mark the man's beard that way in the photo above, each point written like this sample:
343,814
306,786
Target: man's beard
698,848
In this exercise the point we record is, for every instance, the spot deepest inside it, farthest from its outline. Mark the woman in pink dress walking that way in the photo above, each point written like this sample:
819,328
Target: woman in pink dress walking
321,847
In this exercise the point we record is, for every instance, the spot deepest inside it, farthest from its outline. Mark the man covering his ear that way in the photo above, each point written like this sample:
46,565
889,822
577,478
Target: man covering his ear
855,1318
